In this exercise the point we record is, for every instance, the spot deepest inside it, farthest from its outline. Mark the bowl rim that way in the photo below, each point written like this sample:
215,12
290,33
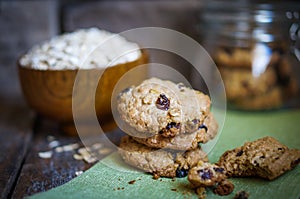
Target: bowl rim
144,56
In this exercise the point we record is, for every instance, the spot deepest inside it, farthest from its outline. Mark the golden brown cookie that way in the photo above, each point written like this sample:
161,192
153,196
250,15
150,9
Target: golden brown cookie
241,83
187,141
265,158
159,162
269,100
159,106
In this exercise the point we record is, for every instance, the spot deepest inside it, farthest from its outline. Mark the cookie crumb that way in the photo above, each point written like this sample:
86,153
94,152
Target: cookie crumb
201,192
131,182
155,176
241,195
224,188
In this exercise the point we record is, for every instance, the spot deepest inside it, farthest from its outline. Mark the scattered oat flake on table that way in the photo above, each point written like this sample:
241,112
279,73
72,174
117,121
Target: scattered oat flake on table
97,146
77,157
53,144
59,149
77,173
45,154
89,159
65,148
70,147
84,151
104,151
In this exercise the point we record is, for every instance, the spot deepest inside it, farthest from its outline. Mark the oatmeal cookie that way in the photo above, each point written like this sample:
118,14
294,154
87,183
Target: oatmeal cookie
265,158
166,163
241,83
158,106
240,57
187,141
269,100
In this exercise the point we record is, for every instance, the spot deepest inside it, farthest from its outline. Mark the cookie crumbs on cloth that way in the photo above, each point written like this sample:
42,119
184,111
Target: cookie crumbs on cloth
223,188
241,195
266,158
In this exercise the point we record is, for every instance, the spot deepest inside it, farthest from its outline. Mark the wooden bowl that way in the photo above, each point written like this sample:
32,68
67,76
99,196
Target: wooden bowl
49,92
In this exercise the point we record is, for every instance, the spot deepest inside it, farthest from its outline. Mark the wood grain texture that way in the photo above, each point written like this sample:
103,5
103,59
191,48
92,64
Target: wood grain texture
14,145
38,174
42,174
23,24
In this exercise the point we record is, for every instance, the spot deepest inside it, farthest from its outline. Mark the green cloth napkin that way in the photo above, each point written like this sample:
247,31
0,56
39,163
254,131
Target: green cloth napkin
110,178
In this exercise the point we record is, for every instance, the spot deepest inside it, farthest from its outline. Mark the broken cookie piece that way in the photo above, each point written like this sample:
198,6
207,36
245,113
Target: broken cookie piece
206,175
266,158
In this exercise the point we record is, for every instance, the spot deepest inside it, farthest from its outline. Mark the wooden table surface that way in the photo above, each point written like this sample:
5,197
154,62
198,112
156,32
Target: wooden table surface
24,172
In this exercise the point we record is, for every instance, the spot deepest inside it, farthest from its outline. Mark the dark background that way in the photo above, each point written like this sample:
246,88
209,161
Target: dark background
25,23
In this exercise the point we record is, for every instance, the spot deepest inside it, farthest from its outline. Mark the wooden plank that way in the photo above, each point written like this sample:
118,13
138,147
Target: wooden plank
13,147
40,174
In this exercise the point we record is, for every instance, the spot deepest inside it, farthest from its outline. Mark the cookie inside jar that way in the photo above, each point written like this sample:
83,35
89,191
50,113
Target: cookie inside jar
255,45
257,77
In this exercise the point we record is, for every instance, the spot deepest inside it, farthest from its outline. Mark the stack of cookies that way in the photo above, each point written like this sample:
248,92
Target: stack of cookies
165,123
255,79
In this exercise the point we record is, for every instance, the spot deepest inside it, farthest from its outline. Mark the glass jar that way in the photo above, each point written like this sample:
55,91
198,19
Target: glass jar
253,43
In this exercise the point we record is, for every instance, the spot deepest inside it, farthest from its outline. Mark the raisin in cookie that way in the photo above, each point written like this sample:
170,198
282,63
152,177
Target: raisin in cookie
158,106
167,163
265,157
187,141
